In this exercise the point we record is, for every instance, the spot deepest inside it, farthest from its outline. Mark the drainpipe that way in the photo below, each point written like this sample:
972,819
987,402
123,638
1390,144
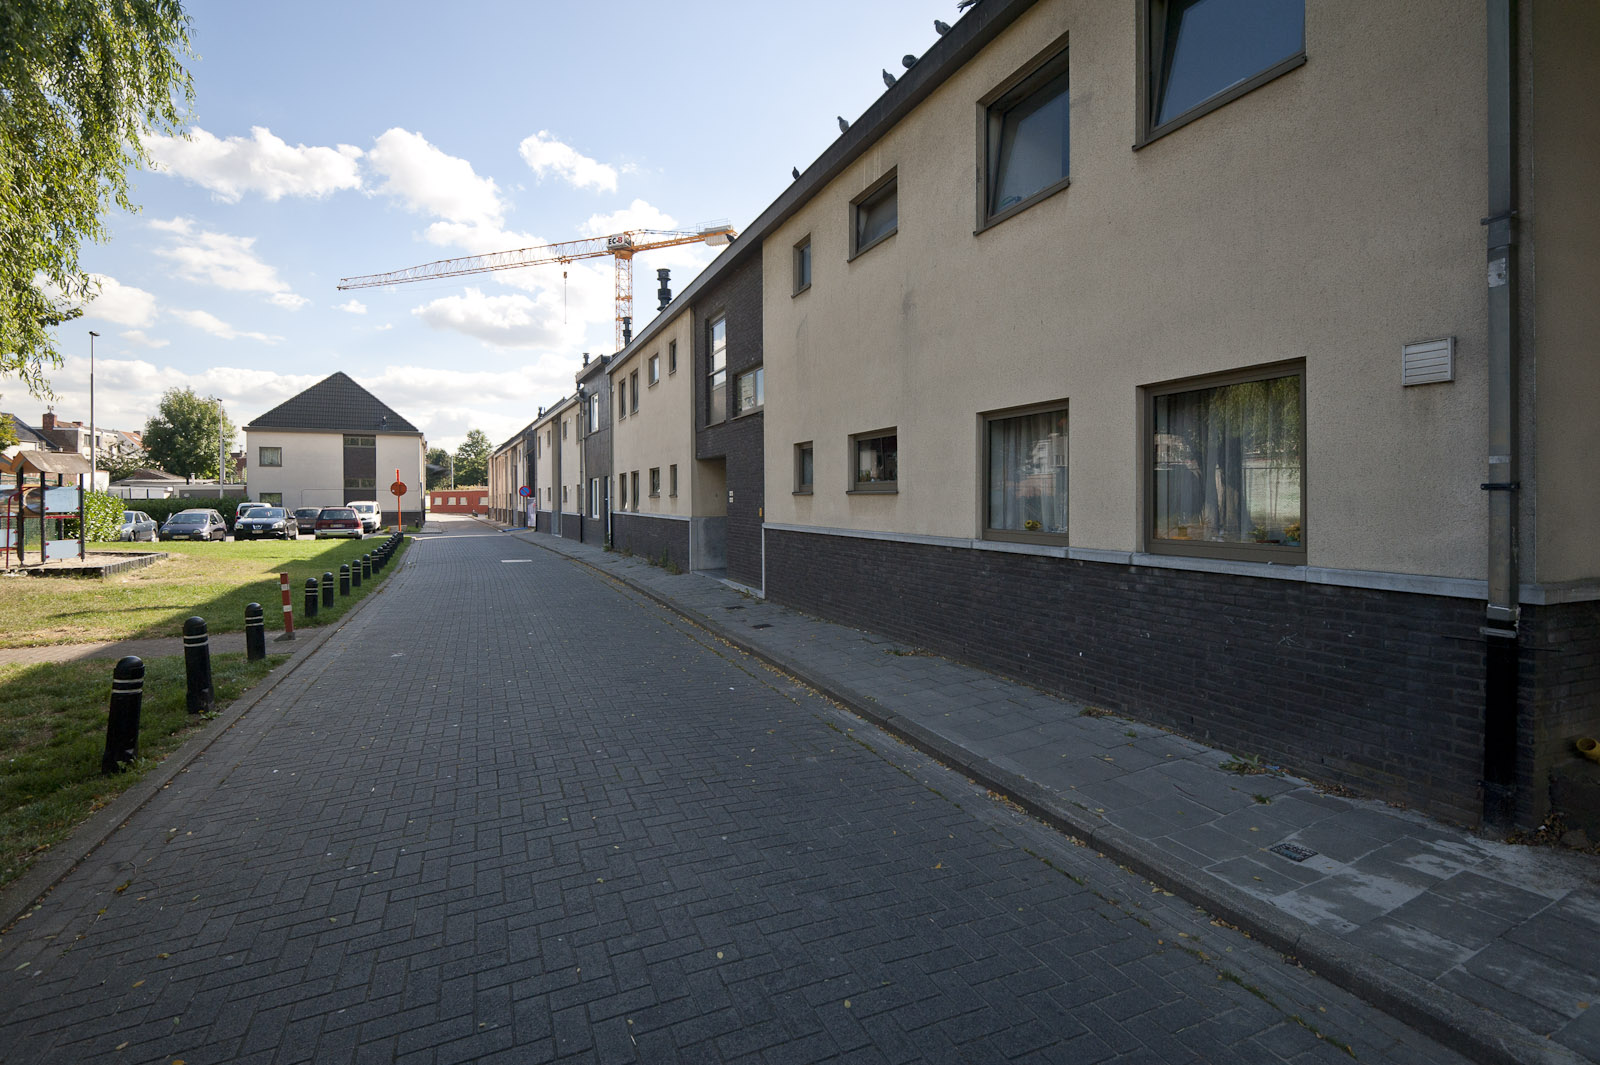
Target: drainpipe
1502,612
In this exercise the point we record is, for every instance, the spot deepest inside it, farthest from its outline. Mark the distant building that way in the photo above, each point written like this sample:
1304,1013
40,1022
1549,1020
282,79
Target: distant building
458,501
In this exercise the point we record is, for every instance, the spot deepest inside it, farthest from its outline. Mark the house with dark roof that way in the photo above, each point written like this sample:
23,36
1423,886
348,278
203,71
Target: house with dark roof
335,443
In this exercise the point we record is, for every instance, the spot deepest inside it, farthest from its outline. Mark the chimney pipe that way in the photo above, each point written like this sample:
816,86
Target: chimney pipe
627,330
664,293
586,358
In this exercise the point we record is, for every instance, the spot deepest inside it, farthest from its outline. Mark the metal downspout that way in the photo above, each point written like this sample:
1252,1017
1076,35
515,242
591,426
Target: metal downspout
1502,612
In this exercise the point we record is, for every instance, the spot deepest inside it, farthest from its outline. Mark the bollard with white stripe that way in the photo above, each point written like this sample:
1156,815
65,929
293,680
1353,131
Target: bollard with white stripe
255,632
344,578
288,608
327,588
366,567
122,723
197,666
311,597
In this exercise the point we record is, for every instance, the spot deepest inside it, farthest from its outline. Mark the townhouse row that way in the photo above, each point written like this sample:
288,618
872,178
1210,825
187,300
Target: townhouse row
1224,365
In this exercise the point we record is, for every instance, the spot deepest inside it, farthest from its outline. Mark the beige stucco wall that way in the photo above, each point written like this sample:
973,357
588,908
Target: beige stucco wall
1561,124
571,458
1330,216
549,451
408,455
661,433
312,474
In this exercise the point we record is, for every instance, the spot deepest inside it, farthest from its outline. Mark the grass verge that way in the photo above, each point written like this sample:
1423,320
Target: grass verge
214,581
52,735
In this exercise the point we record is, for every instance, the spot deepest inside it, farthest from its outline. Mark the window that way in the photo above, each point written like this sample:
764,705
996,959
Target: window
876,462
272,498
672,357
563,495
749,391
594,413
270,456
1201,54
563,428
361,482
804,468
802,265
633,392
1026,140
622,397
875,216
360,441
655,368
594,497
672,479
1227,466
718,346
633,484
1025,485
622,491
655,482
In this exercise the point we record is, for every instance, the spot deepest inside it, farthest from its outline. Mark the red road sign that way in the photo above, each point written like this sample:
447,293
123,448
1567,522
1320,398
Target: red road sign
398,488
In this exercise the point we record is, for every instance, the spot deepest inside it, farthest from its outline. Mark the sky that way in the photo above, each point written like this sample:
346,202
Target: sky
348,137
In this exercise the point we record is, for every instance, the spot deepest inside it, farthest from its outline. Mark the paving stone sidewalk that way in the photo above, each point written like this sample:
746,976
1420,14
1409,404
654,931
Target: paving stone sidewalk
1486,946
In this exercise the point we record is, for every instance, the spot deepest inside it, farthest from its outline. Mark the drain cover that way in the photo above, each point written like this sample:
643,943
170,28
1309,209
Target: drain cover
1292,852
763,625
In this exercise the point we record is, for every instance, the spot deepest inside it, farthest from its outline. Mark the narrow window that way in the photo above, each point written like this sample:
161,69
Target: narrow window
875,215
804,468
876,460
1202,54
1026,476
633,484
1027,136
655,368
271,456
622,491
563,428
802,265
672,357
672,480
594,413
655,482
718,372
622,397
633,392
360,441
1227,466
749,393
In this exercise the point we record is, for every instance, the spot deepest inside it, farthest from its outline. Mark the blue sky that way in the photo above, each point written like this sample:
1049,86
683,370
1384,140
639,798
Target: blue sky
340,138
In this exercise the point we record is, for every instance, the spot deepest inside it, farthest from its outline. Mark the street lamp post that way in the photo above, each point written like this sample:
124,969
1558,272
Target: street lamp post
94,439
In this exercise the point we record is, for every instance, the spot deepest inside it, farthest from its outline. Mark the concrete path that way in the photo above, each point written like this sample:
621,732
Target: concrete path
1492,948
512,811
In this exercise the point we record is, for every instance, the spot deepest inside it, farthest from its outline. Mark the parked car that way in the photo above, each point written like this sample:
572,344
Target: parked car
371,515
266,521
137,525
248,505
195,525
307,517
339,521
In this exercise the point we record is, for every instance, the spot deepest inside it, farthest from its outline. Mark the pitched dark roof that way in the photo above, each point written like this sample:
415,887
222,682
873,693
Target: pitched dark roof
336,404
28,435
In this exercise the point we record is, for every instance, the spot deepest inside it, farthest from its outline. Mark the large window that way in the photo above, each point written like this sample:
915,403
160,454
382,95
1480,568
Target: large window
1227,466
717,372
875,216
1026,478
875,458
270,456
360,482
1026,139
1201,54
750,391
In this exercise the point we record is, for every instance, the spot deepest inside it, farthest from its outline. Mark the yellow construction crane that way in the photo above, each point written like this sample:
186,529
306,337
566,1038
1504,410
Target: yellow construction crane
620,246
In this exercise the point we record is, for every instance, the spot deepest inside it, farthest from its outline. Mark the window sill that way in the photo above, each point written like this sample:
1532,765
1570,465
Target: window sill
1222,99
1273,554
1017,208
1008,536
747,413
801,492
887,489
859,252
801,290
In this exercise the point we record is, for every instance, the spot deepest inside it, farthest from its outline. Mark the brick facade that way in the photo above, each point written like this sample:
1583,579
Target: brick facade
737,441
652,537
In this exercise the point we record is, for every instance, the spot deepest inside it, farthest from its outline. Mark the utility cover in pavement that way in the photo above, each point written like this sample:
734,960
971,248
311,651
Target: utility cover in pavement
1291,852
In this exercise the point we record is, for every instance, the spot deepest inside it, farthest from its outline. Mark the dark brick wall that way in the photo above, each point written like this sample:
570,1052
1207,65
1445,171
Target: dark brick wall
1559,693
541,521
597,450
738,441
572,526
652,537
1379,691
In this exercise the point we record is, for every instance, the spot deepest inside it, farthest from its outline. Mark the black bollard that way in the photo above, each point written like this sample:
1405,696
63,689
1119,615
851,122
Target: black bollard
122,723
344,578
255,632
355,573
311,597
366,567
197,666
327,588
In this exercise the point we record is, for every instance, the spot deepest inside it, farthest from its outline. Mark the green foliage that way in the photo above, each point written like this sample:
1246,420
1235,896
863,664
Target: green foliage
472,459
102,511
182,437
8,431
438,456
81,82
162,509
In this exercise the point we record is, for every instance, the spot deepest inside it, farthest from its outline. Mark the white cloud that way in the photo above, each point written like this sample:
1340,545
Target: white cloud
510,321
431,182
355,306
138,337
121,304
223,260
637,215
546,155
210,323
384,328
263,163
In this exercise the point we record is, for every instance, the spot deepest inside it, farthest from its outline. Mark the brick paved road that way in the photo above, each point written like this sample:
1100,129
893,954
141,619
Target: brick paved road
514,813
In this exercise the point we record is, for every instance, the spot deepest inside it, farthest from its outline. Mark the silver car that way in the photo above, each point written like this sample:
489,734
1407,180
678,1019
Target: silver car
266,521
195,525
137,525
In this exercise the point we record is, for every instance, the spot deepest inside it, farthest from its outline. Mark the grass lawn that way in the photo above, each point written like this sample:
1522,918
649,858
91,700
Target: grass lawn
53,733
210,580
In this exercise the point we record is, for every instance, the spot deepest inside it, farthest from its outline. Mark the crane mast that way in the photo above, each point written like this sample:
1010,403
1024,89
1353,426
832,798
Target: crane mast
622,247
